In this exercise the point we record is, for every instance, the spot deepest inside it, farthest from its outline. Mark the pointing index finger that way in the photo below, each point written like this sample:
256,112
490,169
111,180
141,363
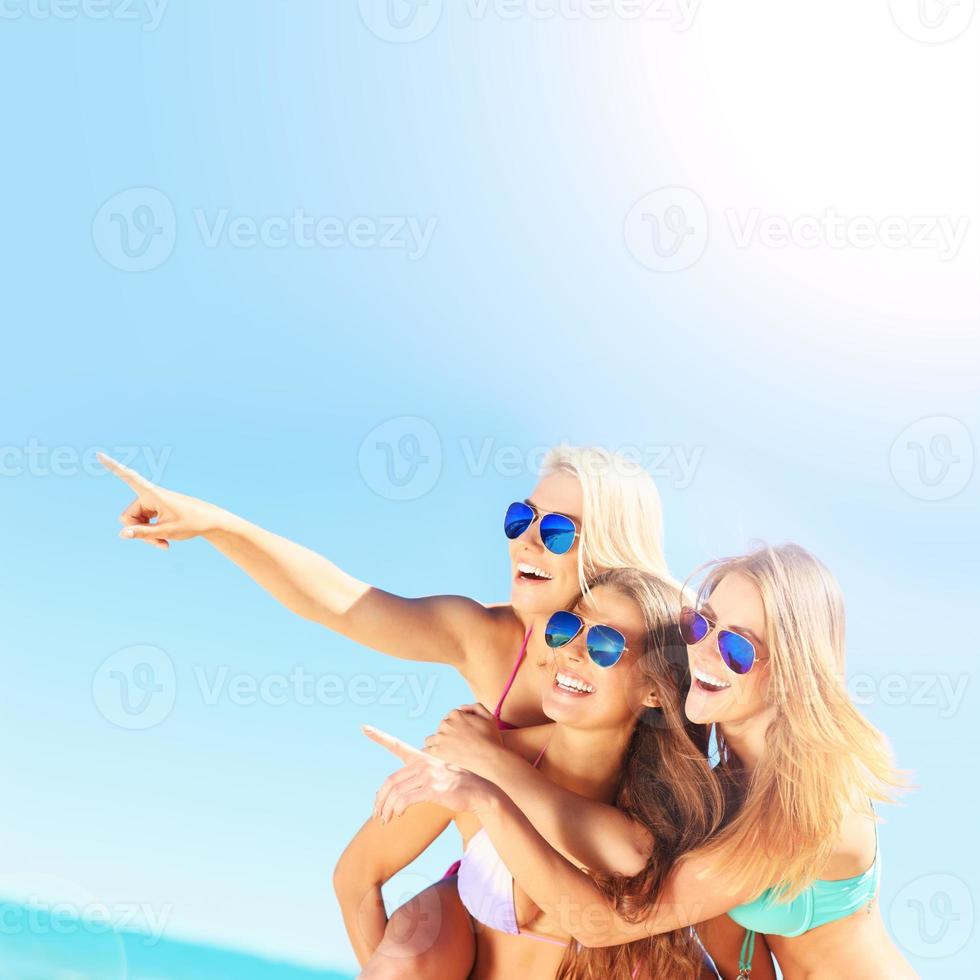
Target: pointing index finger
136,481
396,746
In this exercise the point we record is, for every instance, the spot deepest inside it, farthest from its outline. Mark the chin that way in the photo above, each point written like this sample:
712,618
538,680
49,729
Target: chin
537,597
558,709
696,710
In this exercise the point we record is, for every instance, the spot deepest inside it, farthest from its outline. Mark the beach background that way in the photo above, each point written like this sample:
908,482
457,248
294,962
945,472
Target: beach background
348,269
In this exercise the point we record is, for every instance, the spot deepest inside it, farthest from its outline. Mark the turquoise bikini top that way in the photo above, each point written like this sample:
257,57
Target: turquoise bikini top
822,902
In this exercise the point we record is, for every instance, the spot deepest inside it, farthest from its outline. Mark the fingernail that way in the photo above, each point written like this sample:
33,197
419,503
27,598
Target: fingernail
127,533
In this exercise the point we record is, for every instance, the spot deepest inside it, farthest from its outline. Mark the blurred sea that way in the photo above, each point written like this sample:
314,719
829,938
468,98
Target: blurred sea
37,944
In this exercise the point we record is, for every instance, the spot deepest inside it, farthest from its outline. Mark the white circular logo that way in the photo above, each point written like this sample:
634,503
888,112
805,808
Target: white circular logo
932,917
136,230
932,21
419,917
135,688
932,459
401,459
667,229
401,21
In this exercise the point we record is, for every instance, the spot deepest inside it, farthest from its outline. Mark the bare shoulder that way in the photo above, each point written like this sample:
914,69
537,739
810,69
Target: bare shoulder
492,643
856,849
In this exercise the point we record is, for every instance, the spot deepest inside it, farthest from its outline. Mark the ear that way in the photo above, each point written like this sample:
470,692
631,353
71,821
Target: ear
652,700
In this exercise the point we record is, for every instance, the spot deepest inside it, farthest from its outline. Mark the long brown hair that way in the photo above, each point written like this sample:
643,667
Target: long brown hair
666,785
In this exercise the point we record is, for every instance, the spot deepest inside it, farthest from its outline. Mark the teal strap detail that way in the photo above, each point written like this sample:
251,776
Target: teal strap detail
745,957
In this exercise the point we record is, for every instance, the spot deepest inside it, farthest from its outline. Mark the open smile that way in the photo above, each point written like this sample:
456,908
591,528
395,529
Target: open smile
531,573
572,685
709,683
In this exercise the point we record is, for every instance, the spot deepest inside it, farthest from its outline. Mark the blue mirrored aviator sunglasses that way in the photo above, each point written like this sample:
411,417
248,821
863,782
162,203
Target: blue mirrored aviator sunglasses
605,644
557,531
737,651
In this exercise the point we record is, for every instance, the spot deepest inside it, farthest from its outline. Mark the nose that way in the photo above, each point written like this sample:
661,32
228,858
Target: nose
575,651
530,542
532,535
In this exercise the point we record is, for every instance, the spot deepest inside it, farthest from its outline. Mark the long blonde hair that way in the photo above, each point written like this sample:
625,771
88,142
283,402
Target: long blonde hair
622,517
822,758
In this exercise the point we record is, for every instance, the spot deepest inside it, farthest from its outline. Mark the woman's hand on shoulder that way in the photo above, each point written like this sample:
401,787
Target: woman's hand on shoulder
468,737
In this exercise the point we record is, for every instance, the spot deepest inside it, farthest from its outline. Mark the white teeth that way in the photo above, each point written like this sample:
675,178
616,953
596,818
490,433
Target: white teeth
707,678
573,683
526,569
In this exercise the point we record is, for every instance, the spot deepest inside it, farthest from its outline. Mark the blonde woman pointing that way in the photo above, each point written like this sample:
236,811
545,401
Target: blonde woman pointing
592,510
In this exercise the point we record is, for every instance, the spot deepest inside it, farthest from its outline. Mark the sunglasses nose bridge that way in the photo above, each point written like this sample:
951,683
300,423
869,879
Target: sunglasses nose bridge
575,648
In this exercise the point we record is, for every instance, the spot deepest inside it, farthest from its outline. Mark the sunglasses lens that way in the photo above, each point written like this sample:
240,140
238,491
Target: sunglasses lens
605,645
517,520
562,628
557,533
694,627
737,652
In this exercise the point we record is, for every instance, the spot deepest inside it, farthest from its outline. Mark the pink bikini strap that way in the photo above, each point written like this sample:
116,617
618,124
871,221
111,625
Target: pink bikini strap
544,748
513,673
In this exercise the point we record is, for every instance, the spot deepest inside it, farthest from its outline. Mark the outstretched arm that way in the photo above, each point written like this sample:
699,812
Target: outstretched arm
428,629
376,853
696,890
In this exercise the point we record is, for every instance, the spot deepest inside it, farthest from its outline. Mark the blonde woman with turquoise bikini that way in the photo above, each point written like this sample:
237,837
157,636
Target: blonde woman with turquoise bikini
797,860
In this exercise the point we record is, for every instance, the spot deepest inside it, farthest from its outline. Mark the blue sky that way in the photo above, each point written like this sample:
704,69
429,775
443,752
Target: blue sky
373,280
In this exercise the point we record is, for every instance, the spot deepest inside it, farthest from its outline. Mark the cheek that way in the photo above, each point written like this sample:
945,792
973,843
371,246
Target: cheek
752,691
625,694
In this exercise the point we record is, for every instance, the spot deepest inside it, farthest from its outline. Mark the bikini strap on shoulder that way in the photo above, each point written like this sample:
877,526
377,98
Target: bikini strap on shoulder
513,674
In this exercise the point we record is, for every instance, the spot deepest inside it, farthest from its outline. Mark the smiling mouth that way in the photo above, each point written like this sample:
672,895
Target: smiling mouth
572,685
531,573
709,683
